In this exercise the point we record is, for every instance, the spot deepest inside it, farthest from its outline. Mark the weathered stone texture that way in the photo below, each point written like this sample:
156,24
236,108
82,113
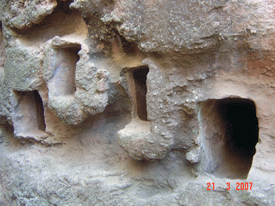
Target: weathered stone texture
23,13
123,102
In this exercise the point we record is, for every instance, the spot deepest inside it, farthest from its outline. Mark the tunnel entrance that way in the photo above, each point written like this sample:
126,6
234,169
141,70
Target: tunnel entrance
140,77
229,132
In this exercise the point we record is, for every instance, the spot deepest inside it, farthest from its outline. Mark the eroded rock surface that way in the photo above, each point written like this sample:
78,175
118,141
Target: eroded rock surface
118,102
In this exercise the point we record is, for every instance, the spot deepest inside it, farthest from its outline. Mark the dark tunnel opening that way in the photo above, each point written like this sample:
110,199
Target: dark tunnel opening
242,129
230,136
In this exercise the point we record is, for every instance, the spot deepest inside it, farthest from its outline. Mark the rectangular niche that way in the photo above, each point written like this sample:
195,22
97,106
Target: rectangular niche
63,81
138,76
229,134
29,114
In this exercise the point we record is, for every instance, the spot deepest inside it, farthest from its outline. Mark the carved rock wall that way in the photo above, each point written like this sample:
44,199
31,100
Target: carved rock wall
118,102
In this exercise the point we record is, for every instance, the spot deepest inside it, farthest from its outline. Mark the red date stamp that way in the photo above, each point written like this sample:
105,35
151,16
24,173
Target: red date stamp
239,186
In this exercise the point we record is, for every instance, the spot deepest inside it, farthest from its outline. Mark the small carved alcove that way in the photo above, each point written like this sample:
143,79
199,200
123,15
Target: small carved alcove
29,118
137,90
63,81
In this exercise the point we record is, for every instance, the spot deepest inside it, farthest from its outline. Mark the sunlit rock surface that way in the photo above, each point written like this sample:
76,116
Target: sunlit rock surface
123,102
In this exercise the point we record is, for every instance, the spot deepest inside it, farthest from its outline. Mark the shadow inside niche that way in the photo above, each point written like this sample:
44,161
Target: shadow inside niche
140,77
64,6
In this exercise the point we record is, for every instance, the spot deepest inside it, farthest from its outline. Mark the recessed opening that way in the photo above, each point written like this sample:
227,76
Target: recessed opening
29,113
63,81
229,132
62,21
140,77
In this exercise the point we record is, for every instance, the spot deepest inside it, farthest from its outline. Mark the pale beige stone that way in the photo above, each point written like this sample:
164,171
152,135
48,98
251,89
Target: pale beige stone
125,102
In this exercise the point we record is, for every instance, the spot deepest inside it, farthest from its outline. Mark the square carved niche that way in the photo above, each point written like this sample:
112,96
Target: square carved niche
63,81
28,117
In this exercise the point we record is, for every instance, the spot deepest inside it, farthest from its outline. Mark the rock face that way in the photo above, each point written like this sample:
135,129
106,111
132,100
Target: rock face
123,102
